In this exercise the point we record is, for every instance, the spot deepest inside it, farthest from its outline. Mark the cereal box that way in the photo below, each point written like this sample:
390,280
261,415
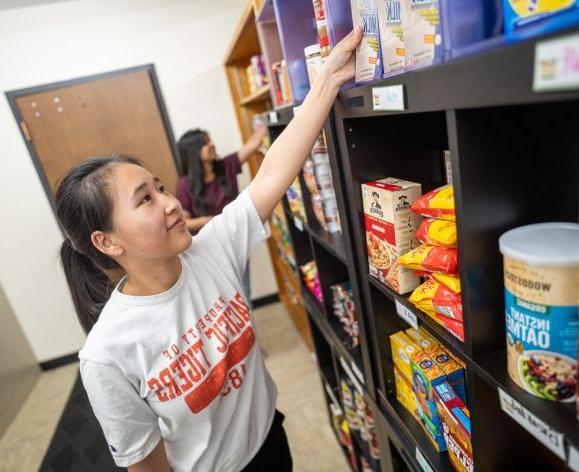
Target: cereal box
368,56
422,32
391,230
402,348
391,36
405,394
456,427
520,13
421,337
426,374
453,370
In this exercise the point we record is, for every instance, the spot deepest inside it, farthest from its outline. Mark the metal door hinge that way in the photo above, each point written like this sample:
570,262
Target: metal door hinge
25,131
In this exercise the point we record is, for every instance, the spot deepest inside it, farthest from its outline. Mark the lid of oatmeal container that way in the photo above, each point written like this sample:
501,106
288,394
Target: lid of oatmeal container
543,244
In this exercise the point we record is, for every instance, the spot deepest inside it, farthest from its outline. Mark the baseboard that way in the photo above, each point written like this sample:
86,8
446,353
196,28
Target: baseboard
59,361
267,300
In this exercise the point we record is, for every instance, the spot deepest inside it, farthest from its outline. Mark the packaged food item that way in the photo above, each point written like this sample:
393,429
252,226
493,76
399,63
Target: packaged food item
402,348
345,310
320,145
456,427
421,337
390,230
422,32
434,297
312,279
453,370
296,200
431,259
391,37
405,394
437,204
454,327
310,176
313,62
280,83
449,280
322,27
437,233
348,391
368,55
541,274
426,374
539,15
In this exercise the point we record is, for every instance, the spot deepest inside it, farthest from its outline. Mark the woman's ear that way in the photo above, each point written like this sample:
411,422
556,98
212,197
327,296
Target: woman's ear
105,244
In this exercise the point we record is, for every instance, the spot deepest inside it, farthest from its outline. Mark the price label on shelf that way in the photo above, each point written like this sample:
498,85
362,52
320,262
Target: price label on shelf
358,373
298,224
406,315
423,462
573,462
557,64
272,117
389,98
351,376
546,435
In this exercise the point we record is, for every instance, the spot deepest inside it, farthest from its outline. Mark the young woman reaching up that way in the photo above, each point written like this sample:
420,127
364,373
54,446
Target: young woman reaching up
171,366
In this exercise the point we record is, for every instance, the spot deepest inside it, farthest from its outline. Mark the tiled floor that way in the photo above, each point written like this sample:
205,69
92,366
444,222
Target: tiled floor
313,445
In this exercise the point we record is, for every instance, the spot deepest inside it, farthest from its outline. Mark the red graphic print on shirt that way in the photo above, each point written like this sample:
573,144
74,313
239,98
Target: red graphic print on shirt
225,329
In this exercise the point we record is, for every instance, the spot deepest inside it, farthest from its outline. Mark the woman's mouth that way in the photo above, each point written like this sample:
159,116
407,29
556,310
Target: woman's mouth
178,224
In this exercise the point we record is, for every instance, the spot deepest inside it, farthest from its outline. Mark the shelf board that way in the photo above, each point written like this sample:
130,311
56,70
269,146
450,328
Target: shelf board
257,96
244,42
441,334
559,416
499,76
411,435
333,242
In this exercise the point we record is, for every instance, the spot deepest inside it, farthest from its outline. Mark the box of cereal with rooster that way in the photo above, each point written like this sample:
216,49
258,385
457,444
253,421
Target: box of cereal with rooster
391,230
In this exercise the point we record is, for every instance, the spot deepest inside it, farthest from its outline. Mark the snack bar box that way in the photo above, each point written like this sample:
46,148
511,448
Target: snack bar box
453,370
402,348
456,427
391,230
525,18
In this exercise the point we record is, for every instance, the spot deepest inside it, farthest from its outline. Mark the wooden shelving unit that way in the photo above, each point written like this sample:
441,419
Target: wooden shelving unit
513,153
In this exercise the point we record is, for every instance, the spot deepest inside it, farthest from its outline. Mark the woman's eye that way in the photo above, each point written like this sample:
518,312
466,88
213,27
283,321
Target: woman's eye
162,189
146,198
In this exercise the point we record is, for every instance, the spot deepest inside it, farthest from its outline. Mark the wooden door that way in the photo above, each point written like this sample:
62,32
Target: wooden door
116,113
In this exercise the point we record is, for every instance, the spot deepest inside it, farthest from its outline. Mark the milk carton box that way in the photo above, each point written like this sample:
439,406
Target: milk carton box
391,36
422,32
368,55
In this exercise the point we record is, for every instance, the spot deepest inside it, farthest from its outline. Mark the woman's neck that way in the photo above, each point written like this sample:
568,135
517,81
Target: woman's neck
208,172
153,279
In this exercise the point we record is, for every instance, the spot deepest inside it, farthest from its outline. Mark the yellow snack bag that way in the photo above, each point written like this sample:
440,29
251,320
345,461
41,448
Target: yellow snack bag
437,204
437,233
450,281
431,259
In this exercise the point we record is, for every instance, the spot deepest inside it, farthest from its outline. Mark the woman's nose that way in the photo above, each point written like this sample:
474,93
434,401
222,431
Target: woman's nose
171,204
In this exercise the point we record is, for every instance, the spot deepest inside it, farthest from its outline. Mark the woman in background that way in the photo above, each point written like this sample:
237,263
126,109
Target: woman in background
207,183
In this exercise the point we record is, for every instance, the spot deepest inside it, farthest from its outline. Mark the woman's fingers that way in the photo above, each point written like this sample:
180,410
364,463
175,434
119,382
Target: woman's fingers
349,42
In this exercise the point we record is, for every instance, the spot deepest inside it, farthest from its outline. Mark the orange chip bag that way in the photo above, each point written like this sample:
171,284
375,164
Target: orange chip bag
431,259
437,233
435,298
437,204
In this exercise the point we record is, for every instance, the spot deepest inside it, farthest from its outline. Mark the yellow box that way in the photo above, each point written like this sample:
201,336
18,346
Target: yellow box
402,348
405,394
422,338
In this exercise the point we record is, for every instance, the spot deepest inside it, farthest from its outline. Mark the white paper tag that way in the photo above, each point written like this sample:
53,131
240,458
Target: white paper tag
546,435
389,98
272,117
358,373
351,376
423,462
406,315
573,459
298,224
557,64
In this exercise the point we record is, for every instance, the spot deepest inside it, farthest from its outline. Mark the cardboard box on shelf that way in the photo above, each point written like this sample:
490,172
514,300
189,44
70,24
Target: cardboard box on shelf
402,348
405,394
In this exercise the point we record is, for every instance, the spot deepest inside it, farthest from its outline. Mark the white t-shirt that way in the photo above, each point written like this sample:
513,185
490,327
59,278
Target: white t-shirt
184,365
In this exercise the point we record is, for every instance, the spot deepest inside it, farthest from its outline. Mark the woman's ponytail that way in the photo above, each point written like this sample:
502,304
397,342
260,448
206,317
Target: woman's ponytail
83,206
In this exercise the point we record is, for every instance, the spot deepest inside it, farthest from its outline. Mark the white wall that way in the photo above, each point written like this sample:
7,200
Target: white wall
186,40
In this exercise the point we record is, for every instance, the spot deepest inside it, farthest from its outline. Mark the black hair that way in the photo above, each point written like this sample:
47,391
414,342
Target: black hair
190,146
375,194
84,205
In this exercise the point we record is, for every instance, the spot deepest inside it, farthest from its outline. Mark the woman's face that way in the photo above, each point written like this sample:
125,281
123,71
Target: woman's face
208,153
147,220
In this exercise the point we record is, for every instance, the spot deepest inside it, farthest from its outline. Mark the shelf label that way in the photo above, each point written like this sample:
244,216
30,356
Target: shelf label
272,117
298,224
358,373
351,376
389,98
573,459
423,462
332,397
557,64
406,315
546,435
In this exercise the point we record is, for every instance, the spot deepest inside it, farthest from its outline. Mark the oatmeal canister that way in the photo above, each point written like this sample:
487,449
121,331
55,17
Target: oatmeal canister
541,270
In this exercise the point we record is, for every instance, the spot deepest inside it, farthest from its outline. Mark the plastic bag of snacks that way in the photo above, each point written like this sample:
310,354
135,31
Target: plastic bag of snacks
437,204
433,297
437,233
312,279
431,259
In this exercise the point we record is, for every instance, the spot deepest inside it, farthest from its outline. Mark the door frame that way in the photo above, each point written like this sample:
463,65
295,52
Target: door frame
13,95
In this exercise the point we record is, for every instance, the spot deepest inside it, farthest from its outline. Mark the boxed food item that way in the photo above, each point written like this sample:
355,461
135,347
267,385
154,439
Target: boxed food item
368,55
314,62
322,27
402,348
426,374
422,32
421,337
453,370
390,229
456,427
391,37
539,16
405,394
